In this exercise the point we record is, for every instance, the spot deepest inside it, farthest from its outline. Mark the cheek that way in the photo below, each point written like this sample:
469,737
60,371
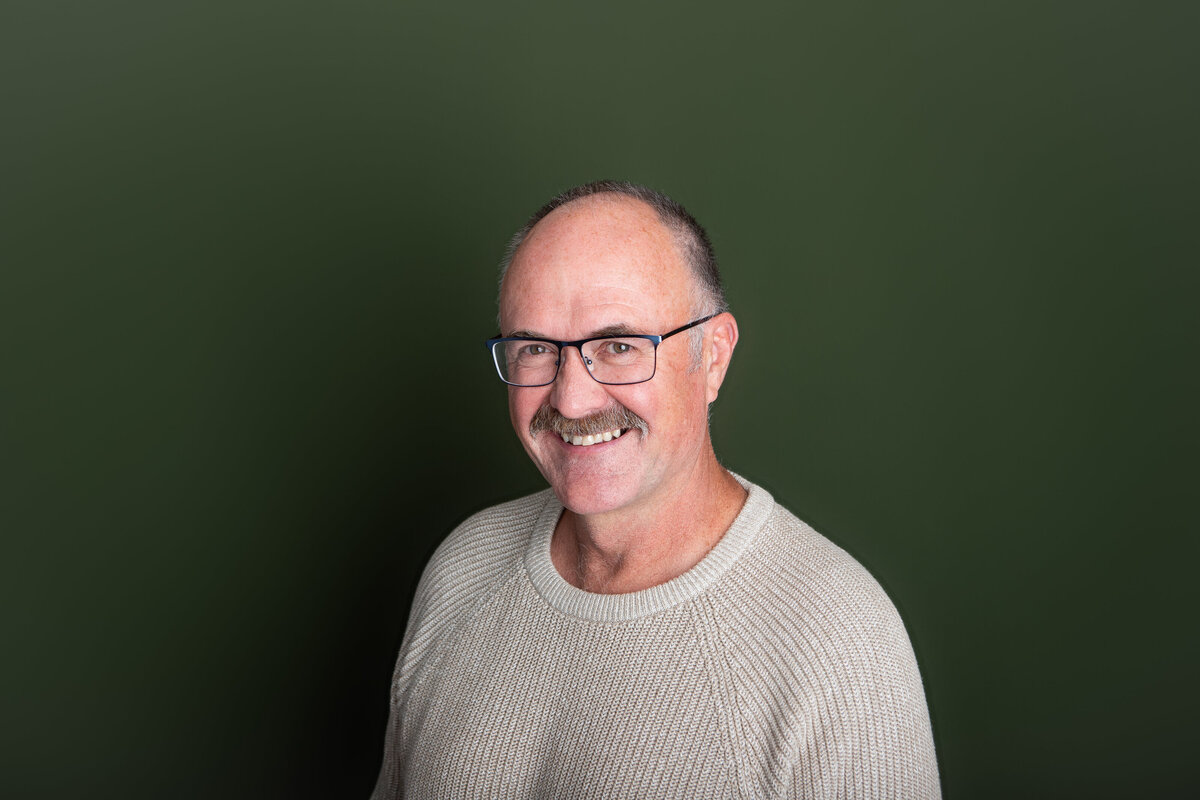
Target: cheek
522,405
639,400
665,401
686,408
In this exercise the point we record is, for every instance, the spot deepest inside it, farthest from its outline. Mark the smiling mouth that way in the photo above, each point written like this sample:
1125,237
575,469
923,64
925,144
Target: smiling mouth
596,438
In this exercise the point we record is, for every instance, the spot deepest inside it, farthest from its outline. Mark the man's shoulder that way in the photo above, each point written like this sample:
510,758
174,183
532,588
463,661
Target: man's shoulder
800,554
788,556
476,558
819,651
500,526
797,579
484,545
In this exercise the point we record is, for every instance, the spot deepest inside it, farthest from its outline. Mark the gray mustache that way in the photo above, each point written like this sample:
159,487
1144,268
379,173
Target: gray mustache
548,419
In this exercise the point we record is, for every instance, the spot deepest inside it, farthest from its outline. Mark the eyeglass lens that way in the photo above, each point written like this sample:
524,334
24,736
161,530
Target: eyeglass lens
530,362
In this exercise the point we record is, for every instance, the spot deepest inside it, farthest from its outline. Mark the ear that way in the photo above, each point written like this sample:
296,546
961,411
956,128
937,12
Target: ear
722,338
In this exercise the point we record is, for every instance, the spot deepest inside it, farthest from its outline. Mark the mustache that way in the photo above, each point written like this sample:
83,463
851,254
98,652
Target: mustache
617,416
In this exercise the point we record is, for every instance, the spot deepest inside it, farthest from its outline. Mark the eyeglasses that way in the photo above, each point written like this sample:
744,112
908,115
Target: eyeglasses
612,360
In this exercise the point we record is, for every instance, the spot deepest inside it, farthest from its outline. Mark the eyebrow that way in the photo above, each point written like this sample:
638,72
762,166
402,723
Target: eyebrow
619,329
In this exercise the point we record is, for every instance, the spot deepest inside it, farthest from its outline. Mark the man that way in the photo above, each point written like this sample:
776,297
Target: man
652,625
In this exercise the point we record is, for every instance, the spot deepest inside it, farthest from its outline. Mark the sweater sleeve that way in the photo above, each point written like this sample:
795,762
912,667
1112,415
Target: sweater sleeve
473,559
870,734
827,695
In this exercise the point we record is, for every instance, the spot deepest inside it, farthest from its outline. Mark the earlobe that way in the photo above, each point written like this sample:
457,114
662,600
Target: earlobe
723,339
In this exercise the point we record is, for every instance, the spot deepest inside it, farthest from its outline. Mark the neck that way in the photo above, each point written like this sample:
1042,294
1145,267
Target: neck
634,549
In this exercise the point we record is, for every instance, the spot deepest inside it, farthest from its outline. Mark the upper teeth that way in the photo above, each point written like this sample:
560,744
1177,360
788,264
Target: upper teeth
591,438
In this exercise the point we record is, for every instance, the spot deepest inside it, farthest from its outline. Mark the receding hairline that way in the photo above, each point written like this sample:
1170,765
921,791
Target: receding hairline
685,234
580,204
691,244
635,220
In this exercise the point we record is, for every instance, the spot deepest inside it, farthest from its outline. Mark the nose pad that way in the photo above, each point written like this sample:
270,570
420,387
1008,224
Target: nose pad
562,367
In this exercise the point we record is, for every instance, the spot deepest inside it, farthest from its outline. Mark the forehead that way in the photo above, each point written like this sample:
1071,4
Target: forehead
598,261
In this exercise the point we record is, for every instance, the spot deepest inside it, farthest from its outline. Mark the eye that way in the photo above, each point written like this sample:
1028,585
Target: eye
534,350
620,349
528,352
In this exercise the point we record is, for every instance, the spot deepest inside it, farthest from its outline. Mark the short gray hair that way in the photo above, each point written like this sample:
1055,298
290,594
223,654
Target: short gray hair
691,239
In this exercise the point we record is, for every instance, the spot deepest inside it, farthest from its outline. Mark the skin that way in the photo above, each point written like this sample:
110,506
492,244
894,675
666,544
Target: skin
642,509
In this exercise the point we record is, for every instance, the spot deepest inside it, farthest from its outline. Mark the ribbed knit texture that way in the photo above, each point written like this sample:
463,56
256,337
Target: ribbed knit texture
776,667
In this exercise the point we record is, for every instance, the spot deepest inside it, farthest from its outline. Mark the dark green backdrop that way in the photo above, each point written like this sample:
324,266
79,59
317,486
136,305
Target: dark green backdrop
248,256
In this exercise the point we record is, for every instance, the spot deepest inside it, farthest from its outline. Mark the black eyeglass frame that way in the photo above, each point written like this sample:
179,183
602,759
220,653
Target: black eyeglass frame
578,344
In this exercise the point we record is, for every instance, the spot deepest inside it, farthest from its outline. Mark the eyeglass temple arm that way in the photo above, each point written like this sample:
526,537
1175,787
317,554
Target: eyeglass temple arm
683,328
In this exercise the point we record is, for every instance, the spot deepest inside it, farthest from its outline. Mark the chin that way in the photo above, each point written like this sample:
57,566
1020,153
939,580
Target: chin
590,481
585,497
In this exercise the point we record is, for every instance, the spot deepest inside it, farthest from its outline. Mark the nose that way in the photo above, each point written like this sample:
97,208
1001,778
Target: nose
574,392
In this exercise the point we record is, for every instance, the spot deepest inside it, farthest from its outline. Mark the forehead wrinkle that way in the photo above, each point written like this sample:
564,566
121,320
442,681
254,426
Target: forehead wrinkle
599,310
619,329
616,329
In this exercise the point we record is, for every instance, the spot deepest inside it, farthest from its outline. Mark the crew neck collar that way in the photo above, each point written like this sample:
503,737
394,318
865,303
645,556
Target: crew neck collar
576,602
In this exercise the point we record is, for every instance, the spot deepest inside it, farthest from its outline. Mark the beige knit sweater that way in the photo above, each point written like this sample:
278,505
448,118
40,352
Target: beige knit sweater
776,667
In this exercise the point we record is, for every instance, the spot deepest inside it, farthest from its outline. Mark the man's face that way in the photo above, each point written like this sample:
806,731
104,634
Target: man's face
607,265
